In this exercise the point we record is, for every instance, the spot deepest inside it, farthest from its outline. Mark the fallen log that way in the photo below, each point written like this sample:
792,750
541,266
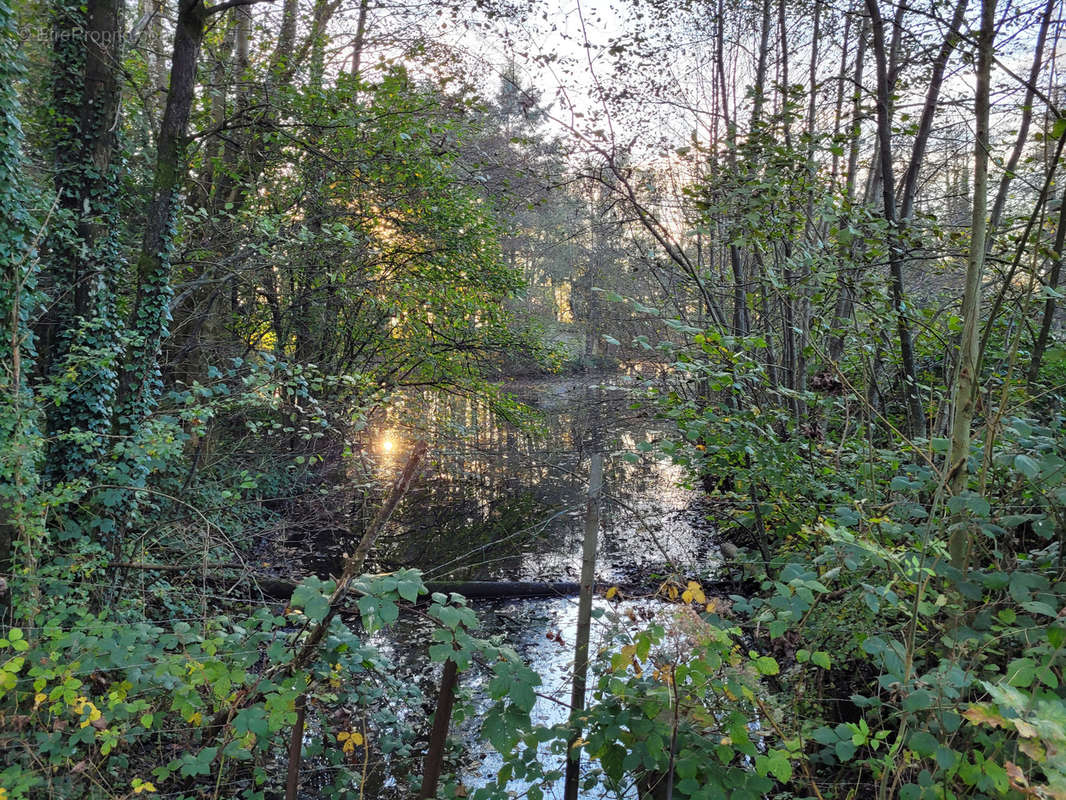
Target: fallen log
281,589
485,590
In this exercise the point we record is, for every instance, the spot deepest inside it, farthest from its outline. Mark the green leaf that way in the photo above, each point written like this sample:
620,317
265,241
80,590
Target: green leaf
522,695
308,595
1037,607
1020,672
923,743
1056,636
316,607
1027,466
845,750
1059,128
409,589
775,763
917,700
767,665
1047,677
820,658
971,501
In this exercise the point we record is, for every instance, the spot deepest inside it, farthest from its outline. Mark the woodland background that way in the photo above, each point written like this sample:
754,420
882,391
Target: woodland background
829,232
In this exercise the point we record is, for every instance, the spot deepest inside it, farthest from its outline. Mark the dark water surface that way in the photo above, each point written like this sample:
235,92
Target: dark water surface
500,503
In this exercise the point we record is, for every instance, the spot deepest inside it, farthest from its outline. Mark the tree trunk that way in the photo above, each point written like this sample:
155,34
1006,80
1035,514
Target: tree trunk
845,304
1023,127
915,414
19,448
85,257
925,124
150,319
966,380
759,88
1042,337
358,43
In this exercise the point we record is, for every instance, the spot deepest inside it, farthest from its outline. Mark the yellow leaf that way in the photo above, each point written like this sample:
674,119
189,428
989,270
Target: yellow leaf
350,740
39,698
80,705
1034,749
612,592
686,596
1025,730
147,786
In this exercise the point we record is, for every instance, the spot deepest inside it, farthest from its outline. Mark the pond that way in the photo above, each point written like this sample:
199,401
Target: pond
499,502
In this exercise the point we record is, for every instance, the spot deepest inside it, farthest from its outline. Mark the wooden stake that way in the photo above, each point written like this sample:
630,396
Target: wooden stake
438,736
295,749
584,623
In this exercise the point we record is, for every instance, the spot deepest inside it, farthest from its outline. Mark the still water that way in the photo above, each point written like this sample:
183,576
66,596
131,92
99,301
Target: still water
501,502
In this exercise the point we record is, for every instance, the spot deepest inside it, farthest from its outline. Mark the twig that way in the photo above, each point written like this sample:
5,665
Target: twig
354,565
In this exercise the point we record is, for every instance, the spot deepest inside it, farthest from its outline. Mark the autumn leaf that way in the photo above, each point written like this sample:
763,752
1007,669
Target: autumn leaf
350,740
1025,730
1017,777
1034,749
982,714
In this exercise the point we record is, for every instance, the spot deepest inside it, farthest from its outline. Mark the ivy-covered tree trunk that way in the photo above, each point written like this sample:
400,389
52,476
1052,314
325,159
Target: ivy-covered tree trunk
19,439
149,322
141,384
82,329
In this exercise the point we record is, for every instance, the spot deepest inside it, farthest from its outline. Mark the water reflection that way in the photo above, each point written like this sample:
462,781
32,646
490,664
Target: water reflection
499,502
